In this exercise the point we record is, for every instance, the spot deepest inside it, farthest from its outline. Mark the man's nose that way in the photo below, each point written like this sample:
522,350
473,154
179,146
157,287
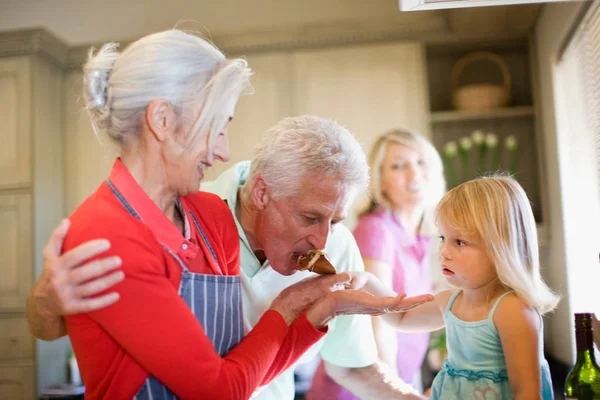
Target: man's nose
318,239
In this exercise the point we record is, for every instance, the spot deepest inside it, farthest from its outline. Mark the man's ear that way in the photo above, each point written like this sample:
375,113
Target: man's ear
260,193
161,119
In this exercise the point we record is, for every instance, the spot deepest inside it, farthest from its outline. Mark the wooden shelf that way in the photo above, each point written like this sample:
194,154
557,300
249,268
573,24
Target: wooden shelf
509,112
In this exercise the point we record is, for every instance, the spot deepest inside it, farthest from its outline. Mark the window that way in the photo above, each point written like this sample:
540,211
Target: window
577,83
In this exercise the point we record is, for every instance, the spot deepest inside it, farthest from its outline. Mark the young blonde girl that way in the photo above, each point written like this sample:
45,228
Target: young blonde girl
489,255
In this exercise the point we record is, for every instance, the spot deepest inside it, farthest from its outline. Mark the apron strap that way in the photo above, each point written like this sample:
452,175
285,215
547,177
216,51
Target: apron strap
122,200
206,242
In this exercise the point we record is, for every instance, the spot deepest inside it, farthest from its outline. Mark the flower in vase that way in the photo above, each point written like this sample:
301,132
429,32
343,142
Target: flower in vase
478,138
465,146
450,149
465,143
512,147
491,142
511,143
449,153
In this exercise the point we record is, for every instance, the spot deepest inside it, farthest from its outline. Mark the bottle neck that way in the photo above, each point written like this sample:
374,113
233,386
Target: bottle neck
585,345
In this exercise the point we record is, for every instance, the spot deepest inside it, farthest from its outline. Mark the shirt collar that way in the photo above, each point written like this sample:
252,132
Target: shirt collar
153,217
226,186
404,239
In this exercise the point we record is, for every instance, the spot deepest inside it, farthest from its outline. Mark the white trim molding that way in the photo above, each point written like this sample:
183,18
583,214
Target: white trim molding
422,5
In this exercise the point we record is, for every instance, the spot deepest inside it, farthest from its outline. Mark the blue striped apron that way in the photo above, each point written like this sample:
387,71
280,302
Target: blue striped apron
215,300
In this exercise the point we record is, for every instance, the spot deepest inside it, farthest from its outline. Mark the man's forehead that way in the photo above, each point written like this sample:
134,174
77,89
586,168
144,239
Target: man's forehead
333,205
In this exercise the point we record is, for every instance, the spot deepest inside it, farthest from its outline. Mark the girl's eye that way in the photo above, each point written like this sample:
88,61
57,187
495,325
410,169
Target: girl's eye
460,243
441,238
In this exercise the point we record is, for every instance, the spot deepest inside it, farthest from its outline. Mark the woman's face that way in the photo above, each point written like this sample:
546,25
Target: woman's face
404,176
187,168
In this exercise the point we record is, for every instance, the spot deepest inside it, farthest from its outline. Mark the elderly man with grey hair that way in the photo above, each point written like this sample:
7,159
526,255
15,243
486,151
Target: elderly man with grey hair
291,198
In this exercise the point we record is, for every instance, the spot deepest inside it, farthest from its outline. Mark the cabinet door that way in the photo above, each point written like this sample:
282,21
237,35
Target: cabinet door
16,250
16,343
17,382
15,132
367,89
269,102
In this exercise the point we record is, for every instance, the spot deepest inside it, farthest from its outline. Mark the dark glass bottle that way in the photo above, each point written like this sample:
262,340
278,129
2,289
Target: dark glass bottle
583,381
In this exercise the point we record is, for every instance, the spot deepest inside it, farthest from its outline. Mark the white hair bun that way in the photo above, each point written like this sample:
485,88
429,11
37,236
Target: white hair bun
96,79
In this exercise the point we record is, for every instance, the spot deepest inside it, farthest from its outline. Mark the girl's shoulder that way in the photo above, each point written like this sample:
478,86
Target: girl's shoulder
510,311
444,297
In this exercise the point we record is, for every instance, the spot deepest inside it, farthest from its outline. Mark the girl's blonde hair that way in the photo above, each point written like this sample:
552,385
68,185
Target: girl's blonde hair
496,211
437,183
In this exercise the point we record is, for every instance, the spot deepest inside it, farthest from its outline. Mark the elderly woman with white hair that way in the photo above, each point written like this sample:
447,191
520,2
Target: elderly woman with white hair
167,100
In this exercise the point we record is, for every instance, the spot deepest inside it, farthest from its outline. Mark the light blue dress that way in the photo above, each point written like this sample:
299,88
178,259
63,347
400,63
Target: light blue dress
475,367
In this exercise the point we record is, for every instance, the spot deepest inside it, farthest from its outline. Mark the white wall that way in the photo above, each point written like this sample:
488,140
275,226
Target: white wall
87,159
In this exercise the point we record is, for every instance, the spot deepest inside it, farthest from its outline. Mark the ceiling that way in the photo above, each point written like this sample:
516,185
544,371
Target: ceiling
82,22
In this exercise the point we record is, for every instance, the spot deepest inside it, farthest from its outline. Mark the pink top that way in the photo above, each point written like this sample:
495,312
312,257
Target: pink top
381,236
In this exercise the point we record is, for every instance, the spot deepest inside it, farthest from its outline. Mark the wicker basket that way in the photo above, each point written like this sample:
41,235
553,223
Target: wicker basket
480,96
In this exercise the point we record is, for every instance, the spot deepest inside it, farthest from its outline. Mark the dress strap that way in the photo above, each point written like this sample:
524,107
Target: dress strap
451,301
493,310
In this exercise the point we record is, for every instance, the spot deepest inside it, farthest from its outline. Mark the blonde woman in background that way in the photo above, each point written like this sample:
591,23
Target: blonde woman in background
394,234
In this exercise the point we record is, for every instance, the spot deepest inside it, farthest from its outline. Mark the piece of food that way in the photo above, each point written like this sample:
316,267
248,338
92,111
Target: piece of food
315,261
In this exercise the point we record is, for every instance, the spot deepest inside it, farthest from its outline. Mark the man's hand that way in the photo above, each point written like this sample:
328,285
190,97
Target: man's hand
376,381
68,281
348,302
295,299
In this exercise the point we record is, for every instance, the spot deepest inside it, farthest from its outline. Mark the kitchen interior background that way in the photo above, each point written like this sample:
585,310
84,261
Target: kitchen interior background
365,64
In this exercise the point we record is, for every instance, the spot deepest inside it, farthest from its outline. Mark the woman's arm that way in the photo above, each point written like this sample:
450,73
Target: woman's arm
519,329
300,337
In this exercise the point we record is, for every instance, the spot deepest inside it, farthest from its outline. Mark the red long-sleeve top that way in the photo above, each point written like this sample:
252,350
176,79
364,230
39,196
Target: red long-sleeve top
150,330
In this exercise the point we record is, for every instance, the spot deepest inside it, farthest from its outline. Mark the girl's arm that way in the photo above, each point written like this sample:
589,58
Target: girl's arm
428,317
519,328
424,318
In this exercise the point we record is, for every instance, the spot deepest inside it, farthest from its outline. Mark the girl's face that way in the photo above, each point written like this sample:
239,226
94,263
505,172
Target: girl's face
464,261
404,176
